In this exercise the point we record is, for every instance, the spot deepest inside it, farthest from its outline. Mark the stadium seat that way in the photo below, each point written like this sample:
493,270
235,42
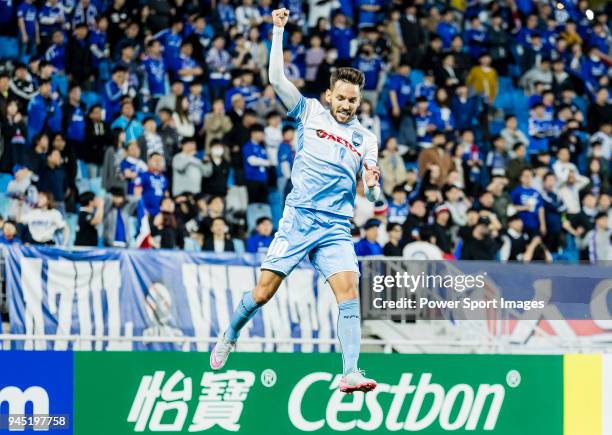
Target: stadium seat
239,246
416,76
4,204
89,99
9,47
256,211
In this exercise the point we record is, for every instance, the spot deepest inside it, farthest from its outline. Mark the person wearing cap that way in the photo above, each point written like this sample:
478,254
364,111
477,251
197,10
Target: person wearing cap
368,244
187,169
440,229
262,238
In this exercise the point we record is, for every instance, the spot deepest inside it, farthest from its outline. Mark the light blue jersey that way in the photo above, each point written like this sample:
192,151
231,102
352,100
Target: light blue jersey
329,158
315,221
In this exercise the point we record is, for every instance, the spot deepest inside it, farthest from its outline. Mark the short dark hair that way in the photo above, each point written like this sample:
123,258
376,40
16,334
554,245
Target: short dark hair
262,220
347,74
256,128
86,198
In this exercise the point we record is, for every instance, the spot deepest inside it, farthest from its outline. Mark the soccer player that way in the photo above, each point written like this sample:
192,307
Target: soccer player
333,149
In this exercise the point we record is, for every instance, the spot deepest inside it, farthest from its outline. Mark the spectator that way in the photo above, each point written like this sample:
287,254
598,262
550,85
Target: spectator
219,242
155,84
285,157
22,192
553,211
483,80
216,123
79,61
437,156
153,184
480,244
169,101
465,109
256,163
29,30
117,212
517,165
368,244
599,240
188,170
528,204
518,246
167,132
440,230
273,136
166,231
415,222
114,91
218,168
127,122
43,221
261,240
180,117
73,122
53,179
9,234
150,141
90,216
394,247
511,134
132,167
13,132
44,112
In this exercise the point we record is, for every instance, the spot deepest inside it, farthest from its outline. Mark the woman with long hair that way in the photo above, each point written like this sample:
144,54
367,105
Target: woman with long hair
184,126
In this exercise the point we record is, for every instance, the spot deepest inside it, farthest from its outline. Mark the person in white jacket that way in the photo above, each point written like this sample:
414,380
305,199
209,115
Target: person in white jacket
188,170
183,125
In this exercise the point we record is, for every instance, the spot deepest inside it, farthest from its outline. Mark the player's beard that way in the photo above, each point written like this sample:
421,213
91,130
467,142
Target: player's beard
341,115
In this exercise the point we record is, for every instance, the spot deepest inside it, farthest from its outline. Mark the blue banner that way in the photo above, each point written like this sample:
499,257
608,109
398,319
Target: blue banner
156,293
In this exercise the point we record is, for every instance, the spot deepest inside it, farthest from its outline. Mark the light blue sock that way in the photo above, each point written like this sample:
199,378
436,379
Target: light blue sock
349,333
246,309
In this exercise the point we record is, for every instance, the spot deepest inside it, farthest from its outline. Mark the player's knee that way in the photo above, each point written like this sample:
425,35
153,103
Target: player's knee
263,293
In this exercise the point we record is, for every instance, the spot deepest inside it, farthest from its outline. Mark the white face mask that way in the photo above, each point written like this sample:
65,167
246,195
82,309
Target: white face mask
595,58
216,151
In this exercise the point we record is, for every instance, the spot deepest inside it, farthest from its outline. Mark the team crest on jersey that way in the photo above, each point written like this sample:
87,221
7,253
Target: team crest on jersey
357,139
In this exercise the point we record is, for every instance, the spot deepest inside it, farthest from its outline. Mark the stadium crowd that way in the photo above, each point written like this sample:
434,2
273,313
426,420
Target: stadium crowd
494,119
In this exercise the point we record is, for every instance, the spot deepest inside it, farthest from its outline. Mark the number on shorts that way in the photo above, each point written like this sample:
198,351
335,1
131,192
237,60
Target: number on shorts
278,247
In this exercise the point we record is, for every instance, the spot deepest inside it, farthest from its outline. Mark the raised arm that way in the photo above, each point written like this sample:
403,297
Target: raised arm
286,91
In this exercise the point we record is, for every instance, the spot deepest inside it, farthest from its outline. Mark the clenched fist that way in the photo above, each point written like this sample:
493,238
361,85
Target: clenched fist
280,17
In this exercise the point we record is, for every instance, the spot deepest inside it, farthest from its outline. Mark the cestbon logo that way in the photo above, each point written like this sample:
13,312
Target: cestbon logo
478,406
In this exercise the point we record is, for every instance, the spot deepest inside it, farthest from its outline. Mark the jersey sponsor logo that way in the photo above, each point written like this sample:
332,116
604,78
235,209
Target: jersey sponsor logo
334,138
